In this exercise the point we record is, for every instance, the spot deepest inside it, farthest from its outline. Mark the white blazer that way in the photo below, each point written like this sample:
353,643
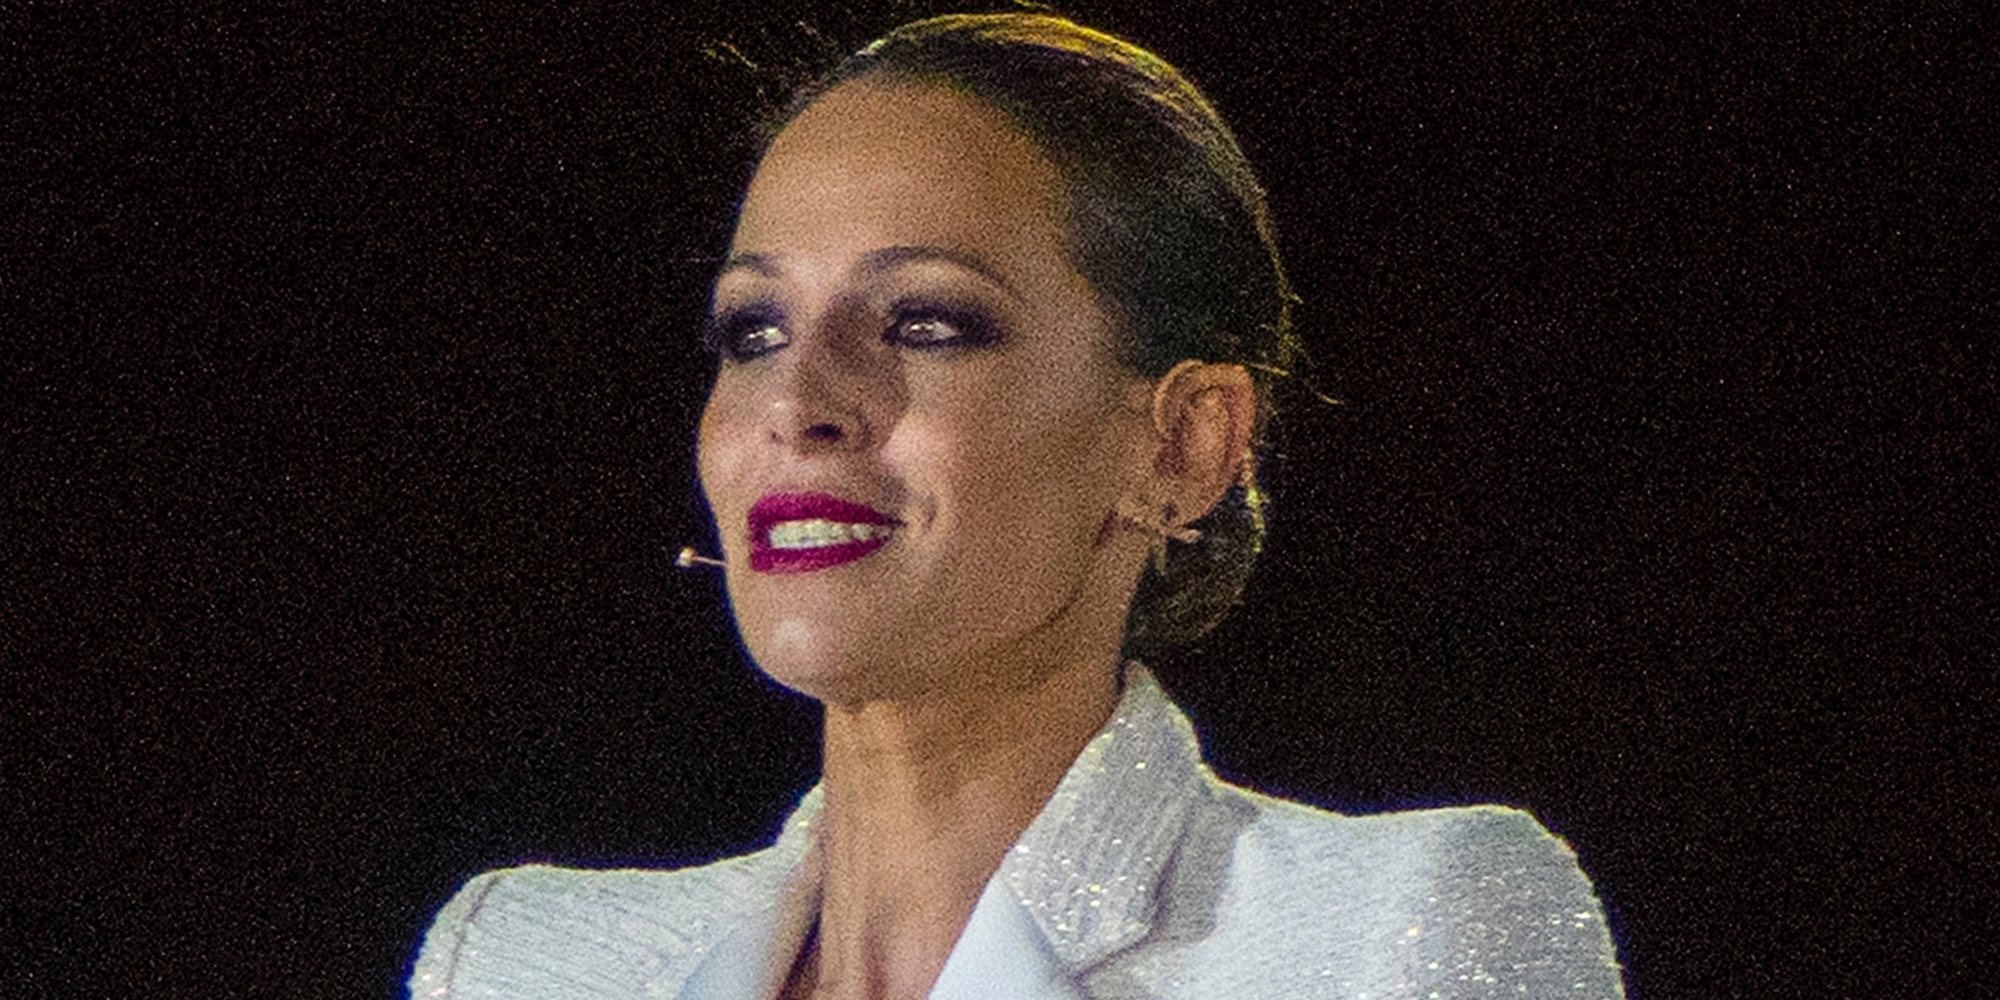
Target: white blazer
1143,876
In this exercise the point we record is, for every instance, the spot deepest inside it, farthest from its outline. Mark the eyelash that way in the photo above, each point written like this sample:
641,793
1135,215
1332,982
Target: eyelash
723,334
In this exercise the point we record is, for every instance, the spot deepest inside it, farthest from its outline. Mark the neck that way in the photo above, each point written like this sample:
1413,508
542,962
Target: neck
923,800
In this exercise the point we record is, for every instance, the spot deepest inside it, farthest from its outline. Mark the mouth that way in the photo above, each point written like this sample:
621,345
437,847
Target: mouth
803,532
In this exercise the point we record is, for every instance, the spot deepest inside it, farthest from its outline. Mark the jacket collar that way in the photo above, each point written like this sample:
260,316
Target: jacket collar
1084,873
750,954
1088,866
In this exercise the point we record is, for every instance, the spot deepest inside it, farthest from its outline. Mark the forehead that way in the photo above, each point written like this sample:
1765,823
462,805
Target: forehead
871,165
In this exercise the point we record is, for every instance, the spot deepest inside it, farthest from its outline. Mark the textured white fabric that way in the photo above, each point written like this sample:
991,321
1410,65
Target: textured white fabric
1001,955
1143,876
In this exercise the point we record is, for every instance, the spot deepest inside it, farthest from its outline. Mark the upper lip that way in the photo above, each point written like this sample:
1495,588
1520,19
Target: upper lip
775,508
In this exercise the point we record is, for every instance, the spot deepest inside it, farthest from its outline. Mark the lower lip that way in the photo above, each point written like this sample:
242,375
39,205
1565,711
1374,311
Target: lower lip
771,560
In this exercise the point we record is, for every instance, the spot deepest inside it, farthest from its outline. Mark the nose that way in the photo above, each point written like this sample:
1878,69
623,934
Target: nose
814,401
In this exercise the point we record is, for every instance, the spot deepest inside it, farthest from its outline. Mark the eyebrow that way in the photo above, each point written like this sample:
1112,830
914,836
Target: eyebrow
876,262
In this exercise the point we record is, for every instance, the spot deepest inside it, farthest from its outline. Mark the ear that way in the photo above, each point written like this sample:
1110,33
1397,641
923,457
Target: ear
1203,414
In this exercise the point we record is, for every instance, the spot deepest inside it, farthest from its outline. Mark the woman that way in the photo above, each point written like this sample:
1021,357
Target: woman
995,327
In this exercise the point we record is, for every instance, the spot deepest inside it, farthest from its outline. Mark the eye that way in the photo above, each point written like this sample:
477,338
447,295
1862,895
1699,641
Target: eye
744,334
930,326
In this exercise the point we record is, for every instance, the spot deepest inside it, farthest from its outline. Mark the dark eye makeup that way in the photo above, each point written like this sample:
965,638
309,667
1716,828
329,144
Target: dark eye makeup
928,325
745,333
741,333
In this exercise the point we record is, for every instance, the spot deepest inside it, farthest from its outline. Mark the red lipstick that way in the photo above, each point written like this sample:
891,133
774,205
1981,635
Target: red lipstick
815,531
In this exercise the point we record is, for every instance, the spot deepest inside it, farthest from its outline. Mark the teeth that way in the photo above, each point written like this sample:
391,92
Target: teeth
817,533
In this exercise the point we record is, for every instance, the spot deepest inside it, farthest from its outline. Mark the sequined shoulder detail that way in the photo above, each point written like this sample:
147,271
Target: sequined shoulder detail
542,931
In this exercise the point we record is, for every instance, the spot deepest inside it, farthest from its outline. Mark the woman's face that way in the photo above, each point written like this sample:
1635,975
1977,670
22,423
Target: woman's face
918,427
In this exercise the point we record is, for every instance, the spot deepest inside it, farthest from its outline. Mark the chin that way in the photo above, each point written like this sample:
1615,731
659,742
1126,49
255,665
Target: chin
827,662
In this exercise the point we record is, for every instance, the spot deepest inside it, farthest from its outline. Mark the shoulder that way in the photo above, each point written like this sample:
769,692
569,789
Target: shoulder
1472,900
1468,848
548,931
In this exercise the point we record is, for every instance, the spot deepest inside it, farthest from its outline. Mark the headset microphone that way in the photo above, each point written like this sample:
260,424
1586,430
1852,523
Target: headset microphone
689,559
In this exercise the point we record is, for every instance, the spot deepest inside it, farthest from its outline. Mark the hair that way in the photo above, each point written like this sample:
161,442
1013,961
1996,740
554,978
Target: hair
1165,220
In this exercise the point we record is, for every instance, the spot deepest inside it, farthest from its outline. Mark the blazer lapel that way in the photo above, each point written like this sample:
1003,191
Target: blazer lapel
1002,955
1087,869
752,960
750,956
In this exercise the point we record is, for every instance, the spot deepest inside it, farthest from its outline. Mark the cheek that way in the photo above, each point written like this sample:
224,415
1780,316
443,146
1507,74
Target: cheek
999,465
704,450
718,447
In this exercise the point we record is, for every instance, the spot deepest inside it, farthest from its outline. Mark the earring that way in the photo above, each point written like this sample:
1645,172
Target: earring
1161,526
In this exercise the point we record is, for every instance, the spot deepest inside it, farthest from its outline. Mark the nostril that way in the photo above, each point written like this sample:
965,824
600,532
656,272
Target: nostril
823,432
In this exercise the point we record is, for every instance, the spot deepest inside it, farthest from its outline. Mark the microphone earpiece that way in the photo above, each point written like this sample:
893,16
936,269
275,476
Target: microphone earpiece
689,559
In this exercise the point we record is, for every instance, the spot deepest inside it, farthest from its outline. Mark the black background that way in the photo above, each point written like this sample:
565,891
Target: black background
350,385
